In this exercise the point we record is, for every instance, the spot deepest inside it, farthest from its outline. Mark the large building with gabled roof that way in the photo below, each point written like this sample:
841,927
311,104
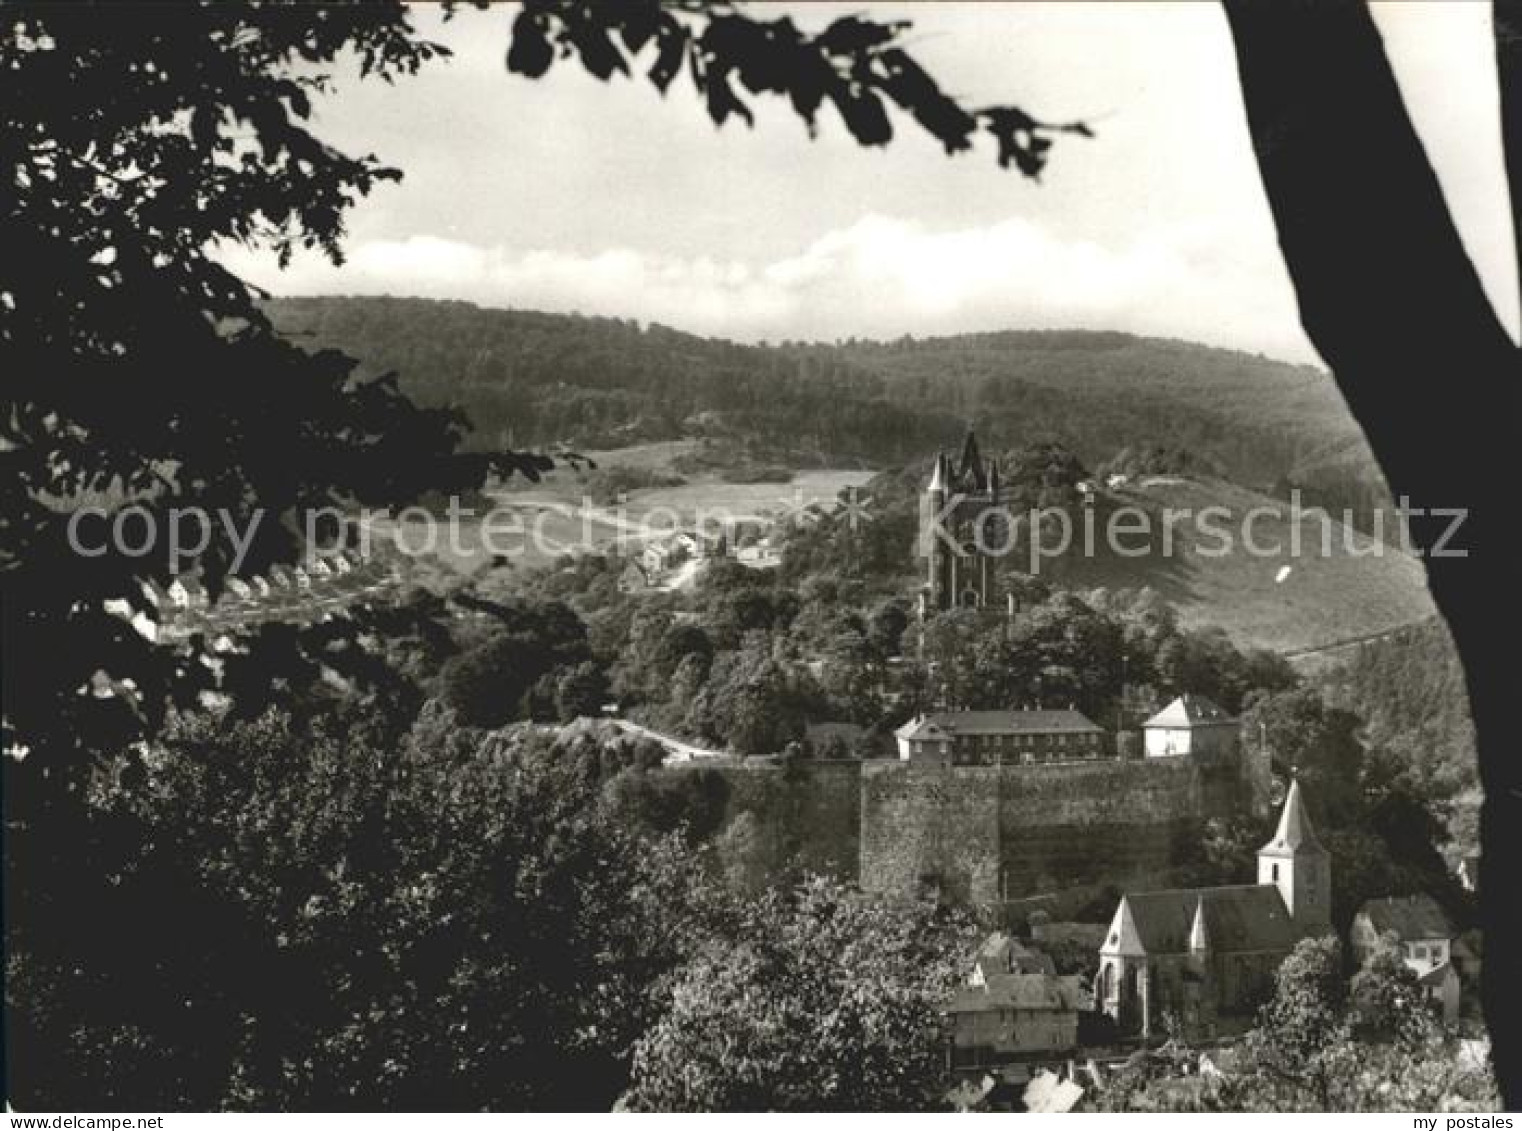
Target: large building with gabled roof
1205,958
1000,738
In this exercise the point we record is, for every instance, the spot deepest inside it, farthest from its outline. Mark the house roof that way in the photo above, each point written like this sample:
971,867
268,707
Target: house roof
941,723
1410,917
1189,710
1020,991
1438,974
1243,917
1001,954
1295,836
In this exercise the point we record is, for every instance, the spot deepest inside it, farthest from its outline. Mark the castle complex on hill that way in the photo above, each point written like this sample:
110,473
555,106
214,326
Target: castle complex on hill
992,809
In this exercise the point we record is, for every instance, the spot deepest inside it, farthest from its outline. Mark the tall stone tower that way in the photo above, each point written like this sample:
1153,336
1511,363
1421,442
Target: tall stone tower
958,495
1296,863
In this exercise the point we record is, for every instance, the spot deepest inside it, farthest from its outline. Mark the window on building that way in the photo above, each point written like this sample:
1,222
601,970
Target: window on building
1275,872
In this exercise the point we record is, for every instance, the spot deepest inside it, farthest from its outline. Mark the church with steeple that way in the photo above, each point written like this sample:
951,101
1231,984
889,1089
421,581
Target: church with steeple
959,494
1204,959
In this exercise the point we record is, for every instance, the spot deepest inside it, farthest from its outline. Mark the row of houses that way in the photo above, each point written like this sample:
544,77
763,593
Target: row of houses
186,605
660,558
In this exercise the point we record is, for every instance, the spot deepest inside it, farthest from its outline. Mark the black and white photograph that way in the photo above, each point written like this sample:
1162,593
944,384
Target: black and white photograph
947,556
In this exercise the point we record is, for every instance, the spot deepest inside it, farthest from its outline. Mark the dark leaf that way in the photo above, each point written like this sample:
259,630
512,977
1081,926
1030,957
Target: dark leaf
906,82
639,24
722,101
863,113
850,35
598,52
530,52
668,59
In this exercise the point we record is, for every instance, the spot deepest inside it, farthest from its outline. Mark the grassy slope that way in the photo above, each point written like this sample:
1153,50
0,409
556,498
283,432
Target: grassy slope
1324,599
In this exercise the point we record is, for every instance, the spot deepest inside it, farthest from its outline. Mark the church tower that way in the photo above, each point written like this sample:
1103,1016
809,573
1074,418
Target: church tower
958,494
1296,863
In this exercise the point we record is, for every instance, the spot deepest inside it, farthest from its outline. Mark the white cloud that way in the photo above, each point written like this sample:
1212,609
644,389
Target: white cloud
880,277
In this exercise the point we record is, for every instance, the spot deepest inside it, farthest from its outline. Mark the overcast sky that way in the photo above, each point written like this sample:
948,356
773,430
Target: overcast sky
567,194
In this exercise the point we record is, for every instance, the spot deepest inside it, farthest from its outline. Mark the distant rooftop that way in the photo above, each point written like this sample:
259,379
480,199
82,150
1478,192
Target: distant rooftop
998,722
1410,917
1189,710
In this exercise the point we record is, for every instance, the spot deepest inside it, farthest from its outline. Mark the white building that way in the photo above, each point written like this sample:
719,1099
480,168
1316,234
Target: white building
1425,938
1191,724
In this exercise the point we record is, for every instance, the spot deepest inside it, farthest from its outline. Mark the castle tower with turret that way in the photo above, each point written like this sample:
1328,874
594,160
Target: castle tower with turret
957,532
1296,863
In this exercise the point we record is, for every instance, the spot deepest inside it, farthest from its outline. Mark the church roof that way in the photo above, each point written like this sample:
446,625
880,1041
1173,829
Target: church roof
1246,917
1295,834
1411,917
1189,710
943,723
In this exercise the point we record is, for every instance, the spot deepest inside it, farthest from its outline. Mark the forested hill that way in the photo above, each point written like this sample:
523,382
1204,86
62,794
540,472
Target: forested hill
529,378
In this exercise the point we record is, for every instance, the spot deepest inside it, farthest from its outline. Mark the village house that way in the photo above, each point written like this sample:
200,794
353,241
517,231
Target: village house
1013,1006
140,619
1425,937
187,592
1205,958
659,556
999,738
634,578
1191,724
1002,953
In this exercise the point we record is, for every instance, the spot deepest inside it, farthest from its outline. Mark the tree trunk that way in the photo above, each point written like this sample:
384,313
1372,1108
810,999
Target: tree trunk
1507,21
1394,306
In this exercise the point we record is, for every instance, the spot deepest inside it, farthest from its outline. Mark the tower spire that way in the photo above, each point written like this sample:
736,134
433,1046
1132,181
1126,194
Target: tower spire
1199,936
970,470
938,476
1295,833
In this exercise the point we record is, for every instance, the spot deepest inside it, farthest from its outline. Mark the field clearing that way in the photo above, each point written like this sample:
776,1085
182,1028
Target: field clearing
680,504
534,524
746,500
655,456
